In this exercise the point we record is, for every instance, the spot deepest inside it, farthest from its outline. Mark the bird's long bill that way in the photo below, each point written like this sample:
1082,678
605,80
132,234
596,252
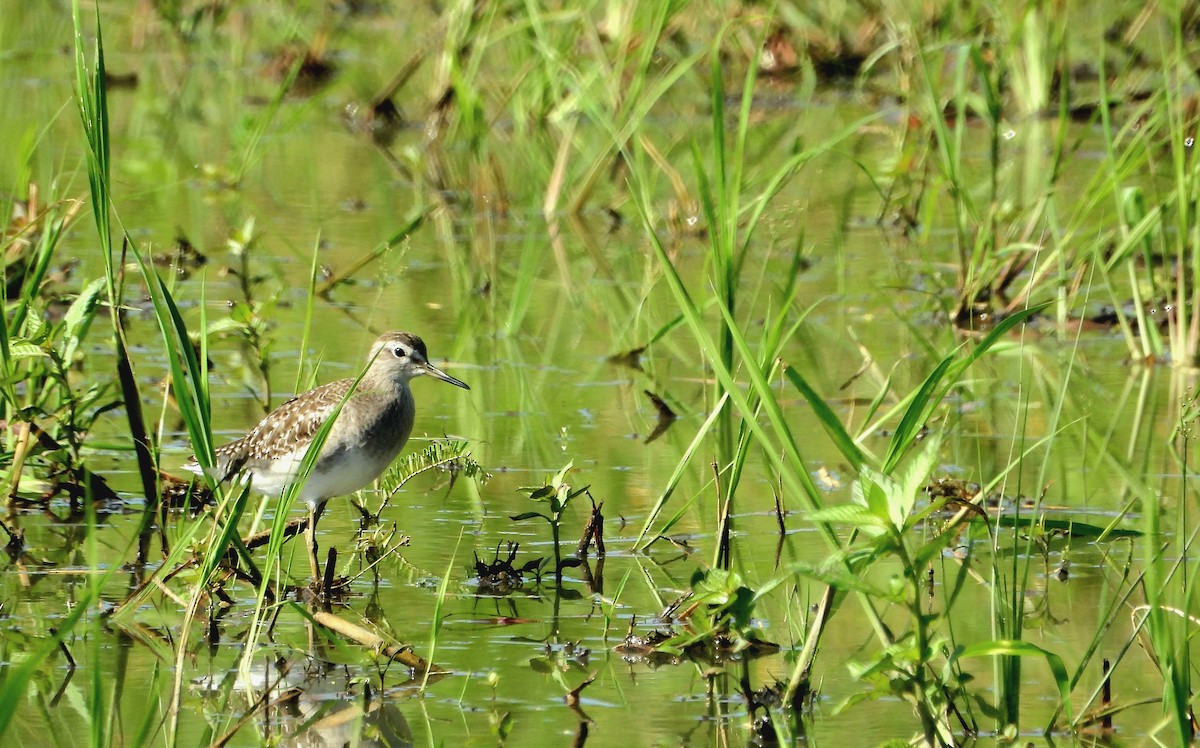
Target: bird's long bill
433,371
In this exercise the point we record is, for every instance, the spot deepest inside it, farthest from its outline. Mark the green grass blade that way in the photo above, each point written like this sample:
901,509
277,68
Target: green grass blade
829,421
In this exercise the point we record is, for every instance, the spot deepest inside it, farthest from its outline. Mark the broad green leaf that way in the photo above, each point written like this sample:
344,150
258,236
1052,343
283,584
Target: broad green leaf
1019,648
20,349
528,515
1067,526
79,316
912,480
561,475
541,492
840,578
855,515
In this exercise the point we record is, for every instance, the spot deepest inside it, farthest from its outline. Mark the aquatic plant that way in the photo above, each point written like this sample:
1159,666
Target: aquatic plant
500,169
556,494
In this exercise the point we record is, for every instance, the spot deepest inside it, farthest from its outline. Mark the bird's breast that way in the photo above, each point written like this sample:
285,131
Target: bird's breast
364,441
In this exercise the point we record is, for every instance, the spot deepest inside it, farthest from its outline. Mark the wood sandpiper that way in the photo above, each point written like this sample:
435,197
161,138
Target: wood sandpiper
370,430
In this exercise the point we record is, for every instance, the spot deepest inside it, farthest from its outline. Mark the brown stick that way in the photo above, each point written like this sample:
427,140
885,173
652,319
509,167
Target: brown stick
291,529
399,652
18,459
593,533
1106,721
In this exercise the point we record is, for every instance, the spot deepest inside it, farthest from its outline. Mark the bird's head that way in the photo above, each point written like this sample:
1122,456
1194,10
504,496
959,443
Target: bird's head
401,356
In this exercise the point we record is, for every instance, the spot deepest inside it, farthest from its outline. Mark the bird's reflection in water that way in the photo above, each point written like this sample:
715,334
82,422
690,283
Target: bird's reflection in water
303,707
379,724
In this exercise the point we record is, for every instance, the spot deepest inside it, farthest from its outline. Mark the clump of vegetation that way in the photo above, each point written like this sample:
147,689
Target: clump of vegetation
1022,180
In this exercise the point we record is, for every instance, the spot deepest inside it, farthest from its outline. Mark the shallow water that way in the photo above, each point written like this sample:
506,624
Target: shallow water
529,314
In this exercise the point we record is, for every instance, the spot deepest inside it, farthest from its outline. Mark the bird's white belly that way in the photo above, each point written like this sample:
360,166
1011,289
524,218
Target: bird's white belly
346,473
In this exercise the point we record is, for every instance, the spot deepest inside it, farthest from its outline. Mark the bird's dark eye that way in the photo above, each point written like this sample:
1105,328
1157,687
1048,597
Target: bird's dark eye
398,352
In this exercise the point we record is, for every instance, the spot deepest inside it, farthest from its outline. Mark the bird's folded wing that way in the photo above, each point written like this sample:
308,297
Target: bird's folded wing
292,426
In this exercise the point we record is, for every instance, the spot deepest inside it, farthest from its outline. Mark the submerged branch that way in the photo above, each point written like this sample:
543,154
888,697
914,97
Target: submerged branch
402,653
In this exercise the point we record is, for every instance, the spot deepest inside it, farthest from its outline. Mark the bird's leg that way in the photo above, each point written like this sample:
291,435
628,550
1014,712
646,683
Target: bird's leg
314,514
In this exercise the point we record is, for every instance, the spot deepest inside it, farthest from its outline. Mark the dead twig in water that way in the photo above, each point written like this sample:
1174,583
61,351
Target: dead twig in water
291,529
594,532
402,653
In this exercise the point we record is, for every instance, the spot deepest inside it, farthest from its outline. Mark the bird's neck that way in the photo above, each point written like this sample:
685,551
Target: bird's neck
378,383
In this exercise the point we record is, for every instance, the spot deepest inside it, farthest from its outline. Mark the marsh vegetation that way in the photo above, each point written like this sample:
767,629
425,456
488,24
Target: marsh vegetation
832,370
